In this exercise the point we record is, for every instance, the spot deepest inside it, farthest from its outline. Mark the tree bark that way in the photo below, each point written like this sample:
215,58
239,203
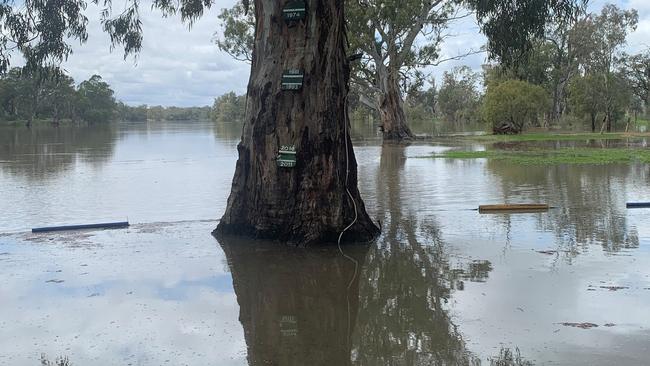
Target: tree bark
593,122
609,122
308,203
559,101
391,110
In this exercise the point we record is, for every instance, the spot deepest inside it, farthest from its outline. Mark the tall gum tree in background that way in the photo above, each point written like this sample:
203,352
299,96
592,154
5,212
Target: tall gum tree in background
313,201
398,38
598,42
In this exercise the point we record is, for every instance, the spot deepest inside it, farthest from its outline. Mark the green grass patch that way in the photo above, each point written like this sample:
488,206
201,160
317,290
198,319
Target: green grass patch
643,122
556,156
547,136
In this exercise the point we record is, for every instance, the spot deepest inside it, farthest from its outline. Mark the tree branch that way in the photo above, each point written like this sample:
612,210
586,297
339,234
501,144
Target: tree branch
453,58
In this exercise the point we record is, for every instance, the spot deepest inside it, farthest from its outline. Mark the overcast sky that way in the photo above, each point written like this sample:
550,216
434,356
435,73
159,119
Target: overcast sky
184,67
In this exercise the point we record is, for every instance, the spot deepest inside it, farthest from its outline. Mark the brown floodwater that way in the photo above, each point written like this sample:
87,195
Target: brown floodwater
442,285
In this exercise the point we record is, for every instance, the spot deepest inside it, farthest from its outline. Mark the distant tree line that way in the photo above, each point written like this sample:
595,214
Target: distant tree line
229,107
50,94
159,113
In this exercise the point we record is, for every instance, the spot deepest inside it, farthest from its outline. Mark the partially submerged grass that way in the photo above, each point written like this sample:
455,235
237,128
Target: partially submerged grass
59,361
555,156
548,136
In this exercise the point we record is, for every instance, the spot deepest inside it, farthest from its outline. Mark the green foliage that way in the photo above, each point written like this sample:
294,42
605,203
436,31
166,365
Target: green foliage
237,27
598,40
143,113
229,108
42,31
637,70
578,61
96,101
533,67
50,94
513,103
512,26
602,87
596,95
458,98
131,113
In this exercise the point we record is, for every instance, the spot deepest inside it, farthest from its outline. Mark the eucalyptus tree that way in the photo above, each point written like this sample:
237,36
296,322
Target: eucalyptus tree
586,97
599,41
316,198
398,38
458,98
637,70
60,100
96,100
562,61
228,107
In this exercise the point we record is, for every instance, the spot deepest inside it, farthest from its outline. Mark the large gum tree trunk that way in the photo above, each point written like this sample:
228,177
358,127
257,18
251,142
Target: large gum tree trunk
308,203
391,112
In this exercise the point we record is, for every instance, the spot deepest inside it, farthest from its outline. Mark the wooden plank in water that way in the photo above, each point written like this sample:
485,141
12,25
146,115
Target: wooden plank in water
105,225
638,205
514,207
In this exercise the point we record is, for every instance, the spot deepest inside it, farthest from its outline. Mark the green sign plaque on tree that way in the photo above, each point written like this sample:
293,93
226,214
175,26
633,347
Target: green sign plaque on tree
287,156
292,79
294,11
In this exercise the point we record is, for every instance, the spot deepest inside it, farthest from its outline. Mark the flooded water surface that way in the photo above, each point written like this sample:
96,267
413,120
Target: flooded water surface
442,285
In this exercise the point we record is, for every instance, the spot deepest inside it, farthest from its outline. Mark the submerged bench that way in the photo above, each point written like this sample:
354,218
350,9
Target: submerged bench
106,225
637,204
514,207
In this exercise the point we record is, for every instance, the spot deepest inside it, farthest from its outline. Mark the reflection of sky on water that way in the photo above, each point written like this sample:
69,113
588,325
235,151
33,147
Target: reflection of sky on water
529,293
133,297
163,292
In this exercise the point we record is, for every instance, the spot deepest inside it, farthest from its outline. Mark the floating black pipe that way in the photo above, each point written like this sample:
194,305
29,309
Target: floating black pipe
107,225
637,204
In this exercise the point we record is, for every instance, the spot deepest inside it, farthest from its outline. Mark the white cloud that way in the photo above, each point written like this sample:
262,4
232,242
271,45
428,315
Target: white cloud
177,65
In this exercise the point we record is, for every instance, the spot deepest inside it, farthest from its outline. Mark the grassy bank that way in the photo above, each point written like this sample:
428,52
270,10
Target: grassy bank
555,156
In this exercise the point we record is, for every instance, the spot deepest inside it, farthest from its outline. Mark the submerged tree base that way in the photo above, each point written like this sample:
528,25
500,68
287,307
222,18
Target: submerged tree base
358,233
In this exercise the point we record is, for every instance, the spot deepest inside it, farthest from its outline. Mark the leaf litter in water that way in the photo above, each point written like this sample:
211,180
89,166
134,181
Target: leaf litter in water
584,325
610,288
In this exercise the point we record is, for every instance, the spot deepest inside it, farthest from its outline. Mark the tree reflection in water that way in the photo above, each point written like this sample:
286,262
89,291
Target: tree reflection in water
590,201
406,282
307,307
297,306
41,152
